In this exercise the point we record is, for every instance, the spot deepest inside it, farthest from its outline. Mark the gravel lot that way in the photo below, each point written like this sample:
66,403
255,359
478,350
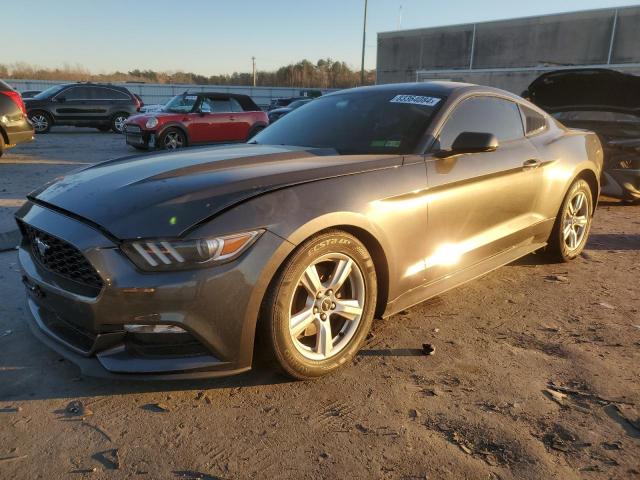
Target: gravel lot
535,376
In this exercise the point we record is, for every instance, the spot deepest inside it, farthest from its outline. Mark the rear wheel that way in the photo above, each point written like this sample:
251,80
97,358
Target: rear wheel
118,121
41,121
571,229
172,139
320,307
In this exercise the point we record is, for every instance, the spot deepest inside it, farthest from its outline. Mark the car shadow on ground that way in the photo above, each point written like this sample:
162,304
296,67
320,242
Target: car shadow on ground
26,384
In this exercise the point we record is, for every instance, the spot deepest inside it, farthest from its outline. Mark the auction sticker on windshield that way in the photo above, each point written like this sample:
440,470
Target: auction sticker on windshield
416,100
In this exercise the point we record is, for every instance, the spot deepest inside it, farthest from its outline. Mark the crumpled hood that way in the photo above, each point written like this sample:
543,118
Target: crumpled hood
165,194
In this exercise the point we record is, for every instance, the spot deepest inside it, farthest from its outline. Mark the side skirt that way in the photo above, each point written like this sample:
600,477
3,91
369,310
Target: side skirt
438,287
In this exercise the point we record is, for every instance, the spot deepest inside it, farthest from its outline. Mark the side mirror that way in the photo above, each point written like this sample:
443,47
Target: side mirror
472,142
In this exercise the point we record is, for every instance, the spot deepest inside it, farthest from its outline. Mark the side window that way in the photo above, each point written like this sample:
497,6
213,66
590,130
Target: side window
76,93
222,106
483,114
235,105
100,93
534,122
206,106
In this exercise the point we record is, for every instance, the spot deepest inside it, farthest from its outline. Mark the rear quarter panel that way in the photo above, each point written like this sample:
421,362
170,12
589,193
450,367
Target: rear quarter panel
565,154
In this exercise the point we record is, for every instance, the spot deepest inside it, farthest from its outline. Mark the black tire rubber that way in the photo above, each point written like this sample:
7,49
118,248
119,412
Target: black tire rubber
1,144
160,143
113,121
274,319
47,116
253,132
556,248
144,149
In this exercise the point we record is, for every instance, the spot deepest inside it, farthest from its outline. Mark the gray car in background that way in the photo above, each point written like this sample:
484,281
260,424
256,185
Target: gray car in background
102,106
361,204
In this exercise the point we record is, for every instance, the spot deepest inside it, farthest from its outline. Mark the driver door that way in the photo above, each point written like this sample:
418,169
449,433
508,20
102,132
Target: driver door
481,203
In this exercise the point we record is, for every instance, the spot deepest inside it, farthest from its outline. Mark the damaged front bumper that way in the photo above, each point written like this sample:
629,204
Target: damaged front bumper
213,310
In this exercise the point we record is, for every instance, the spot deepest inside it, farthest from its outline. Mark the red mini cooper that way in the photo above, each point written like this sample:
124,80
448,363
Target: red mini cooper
195,119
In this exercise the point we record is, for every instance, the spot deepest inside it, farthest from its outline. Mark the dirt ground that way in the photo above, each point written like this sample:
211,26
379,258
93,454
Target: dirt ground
535,375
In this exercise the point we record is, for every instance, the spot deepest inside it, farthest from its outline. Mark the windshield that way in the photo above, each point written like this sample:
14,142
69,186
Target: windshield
48,92
356,123
180,104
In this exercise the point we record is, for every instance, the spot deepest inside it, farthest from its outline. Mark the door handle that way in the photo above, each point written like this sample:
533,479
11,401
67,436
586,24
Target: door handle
232,118
531,163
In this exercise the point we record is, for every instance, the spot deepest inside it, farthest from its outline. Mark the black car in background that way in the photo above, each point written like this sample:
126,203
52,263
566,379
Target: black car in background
103,106
30,93
606,102
277,113
283,102
14,124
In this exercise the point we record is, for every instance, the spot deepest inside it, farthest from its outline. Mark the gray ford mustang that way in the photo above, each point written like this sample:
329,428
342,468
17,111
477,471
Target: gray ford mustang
360,204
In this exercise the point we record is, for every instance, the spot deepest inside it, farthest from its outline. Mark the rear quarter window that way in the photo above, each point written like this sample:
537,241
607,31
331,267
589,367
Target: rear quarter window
534,122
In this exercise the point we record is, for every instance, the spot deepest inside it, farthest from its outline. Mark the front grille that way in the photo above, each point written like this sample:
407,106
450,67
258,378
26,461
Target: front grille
61,258
132,129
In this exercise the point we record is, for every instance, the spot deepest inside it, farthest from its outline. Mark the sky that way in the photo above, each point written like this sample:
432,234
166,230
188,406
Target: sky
220,36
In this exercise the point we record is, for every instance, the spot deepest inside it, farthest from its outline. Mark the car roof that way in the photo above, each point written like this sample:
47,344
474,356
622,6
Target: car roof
93,84
439,88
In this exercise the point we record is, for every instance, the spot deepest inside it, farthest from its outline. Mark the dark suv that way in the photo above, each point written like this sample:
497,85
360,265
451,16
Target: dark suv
103,106
14,125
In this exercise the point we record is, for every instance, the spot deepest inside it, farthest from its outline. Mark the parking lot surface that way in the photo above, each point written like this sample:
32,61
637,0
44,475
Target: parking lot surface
534,376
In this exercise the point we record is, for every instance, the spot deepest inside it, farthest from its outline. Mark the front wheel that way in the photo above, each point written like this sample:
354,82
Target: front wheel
172,139
571,229
320,306
1,145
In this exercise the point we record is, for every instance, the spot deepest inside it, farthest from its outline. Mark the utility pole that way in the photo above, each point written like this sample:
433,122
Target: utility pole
364,38
253,60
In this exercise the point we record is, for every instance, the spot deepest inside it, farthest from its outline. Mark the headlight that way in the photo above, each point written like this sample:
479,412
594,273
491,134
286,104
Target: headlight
151,123
158,255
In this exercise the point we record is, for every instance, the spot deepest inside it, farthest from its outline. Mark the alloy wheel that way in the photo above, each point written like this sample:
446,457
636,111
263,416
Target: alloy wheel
173,140
40,122
327,306
119,122
576,220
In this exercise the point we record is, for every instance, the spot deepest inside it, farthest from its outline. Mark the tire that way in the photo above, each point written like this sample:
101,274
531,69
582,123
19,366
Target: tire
323,339
253,132
144,149
1,145
41,121
117,122
569,237
172,139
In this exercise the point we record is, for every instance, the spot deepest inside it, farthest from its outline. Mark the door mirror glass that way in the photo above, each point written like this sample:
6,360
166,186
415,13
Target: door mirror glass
472,142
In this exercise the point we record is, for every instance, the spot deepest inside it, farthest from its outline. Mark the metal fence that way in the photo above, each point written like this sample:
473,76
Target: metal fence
159,93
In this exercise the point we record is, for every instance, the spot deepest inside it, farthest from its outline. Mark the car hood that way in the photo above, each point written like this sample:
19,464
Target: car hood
586,89
164,195
143,117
